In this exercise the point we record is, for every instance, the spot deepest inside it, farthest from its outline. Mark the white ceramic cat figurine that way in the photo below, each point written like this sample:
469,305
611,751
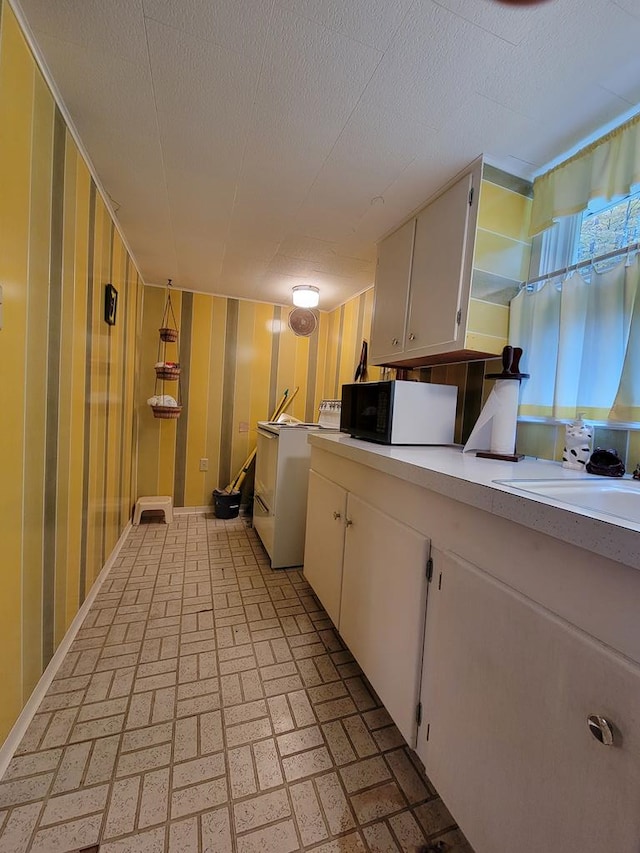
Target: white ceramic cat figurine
577,445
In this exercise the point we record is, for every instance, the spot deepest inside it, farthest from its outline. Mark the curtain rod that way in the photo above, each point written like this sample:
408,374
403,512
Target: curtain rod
632,247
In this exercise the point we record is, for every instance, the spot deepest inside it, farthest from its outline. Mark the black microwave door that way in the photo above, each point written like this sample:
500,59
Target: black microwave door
366,410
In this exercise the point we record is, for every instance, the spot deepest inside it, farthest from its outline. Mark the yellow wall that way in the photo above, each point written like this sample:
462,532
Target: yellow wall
237,359
348,326
501,258
67,378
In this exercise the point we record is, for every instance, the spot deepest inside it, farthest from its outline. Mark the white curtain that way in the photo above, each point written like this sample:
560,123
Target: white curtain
607,168
582,340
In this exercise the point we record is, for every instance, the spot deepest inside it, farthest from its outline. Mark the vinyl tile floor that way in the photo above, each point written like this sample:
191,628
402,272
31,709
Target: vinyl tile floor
207,705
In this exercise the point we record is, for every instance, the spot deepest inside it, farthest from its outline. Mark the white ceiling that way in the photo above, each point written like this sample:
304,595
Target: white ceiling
251,145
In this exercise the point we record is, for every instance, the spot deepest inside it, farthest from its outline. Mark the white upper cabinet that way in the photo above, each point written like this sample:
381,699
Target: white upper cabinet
423,283
393,278
440,273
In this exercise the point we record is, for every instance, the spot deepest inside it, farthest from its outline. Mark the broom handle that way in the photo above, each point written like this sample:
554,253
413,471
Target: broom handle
284,403
242,473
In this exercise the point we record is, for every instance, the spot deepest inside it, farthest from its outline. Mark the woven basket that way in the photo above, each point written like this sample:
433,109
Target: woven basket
166,412
168,334
168,372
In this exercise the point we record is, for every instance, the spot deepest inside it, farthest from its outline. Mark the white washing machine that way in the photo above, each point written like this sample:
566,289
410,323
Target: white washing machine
280,494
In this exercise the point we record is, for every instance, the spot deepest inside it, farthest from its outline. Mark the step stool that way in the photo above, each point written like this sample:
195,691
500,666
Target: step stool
158,502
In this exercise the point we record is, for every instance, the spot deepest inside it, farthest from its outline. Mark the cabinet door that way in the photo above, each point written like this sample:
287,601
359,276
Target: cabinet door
324,542
392,292
441,271
384,590
507,689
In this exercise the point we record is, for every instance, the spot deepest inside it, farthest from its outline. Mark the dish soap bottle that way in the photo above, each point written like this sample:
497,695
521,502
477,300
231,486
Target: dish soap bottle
577,445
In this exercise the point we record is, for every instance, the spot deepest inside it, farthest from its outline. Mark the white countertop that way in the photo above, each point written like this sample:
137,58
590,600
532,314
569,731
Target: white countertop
471,480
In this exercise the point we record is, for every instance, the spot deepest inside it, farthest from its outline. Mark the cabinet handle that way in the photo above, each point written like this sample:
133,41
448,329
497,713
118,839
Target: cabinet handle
348,522
601,729
412,337
257,498
336,516
394,341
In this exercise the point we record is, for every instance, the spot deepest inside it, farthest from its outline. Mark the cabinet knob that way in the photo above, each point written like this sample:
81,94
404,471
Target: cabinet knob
348,522
395,342
336,516
412,337
601,729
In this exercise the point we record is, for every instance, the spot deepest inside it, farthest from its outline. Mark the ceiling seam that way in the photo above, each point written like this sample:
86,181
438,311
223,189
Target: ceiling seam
162,157
246,138
355,107
315,178
73,130
191,35
344,35
477,26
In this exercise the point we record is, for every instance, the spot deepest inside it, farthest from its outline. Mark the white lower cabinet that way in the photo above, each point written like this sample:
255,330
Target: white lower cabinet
507,690
324,542
369,572
506,666
384,593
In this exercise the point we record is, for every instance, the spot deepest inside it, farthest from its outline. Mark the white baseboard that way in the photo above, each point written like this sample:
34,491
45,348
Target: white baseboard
21,725
202,510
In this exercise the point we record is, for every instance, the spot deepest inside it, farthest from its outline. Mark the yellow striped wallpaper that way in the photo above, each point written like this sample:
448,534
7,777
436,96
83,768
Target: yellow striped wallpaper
67,454
79,442
237,358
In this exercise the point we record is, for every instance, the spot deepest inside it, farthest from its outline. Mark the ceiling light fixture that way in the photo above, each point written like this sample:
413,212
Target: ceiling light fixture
306,296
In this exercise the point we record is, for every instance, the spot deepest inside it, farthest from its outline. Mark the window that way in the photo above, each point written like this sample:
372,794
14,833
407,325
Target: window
603,228
608,228
581,330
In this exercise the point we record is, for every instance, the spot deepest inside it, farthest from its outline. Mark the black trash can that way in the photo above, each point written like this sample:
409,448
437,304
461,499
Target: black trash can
226,504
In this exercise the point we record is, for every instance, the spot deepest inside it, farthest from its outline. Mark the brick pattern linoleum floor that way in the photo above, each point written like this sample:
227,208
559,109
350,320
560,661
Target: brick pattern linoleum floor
207,705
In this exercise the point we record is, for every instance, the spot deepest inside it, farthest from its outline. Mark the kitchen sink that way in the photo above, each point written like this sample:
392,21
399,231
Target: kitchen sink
614,497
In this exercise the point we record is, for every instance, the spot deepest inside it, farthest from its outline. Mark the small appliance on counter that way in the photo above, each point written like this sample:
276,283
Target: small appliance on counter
397,411
329,414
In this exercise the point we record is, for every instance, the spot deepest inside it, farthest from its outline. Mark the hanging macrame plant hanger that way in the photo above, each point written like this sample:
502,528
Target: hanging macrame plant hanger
168,332
166,369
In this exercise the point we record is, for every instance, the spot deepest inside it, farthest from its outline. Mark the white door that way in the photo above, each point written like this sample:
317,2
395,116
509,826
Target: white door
324,541
507,690
392,292
440,255
384,589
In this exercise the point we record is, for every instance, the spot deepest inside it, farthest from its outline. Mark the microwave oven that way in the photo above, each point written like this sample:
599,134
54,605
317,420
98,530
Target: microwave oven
397,411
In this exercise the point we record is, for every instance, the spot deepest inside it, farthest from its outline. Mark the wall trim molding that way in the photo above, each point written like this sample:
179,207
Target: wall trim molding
203,510
21,725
